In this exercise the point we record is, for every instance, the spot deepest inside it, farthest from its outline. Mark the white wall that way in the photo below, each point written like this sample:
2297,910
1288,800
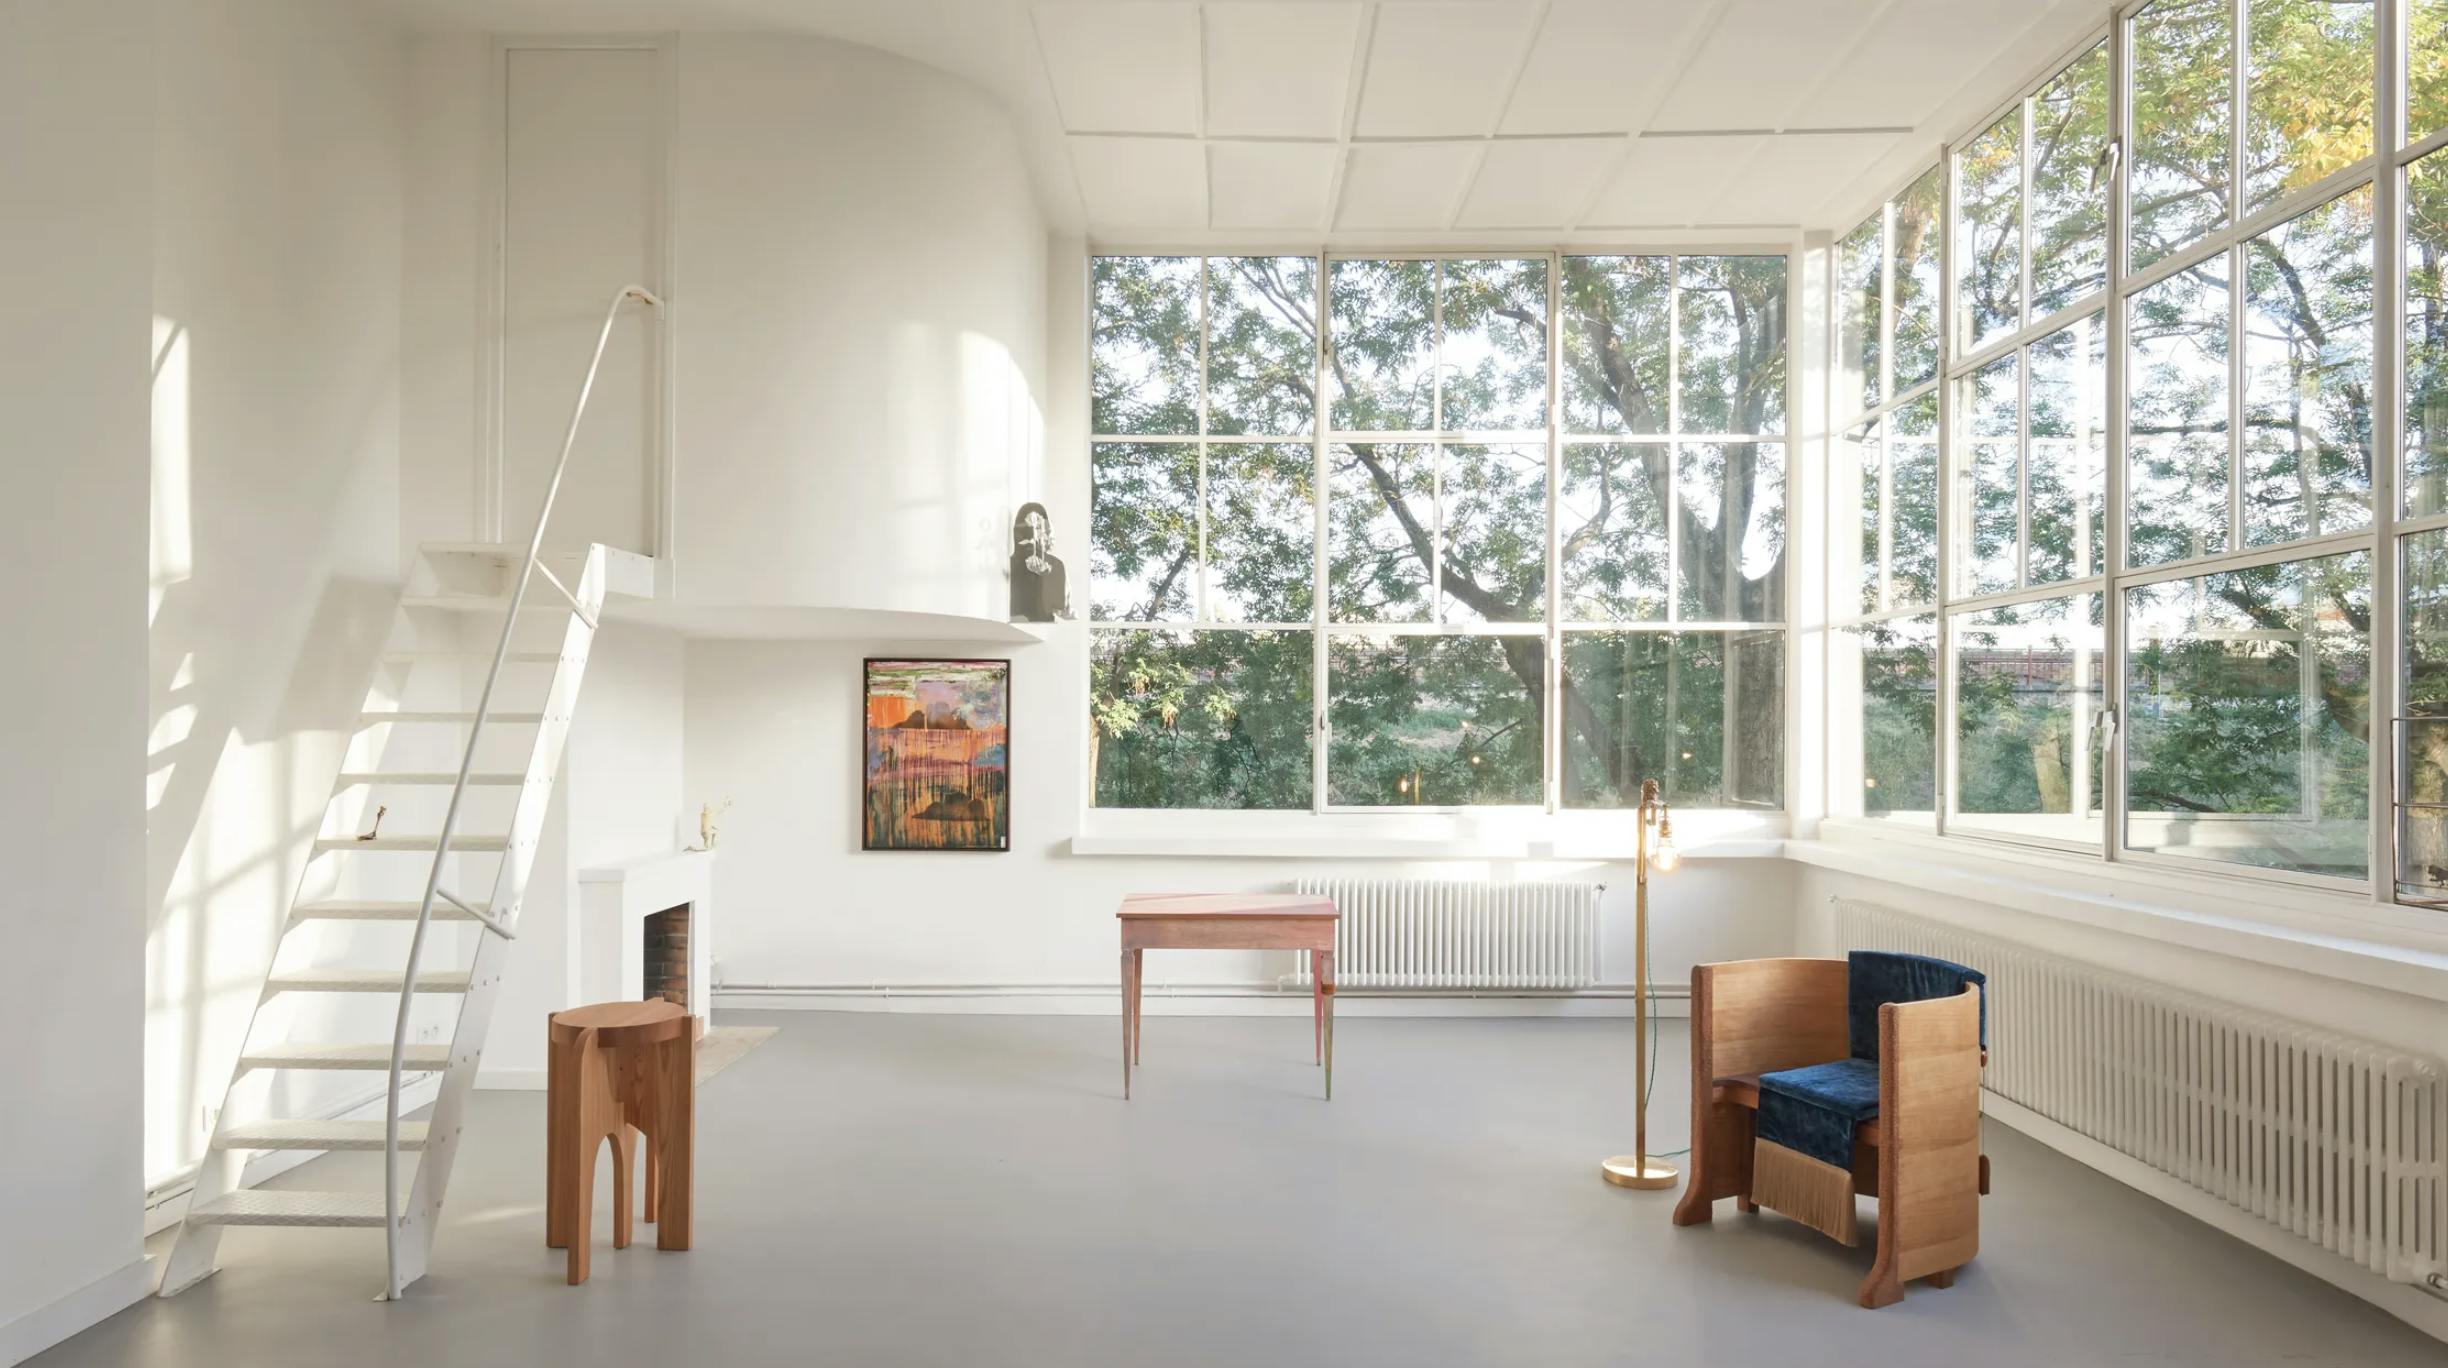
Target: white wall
775,727
278,139
618,797
446,294
860,311
76,132
582,216
857,312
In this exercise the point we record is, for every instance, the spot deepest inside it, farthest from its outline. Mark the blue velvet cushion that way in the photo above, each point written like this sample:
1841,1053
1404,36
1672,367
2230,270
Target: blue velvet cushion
1813,1110
1874,978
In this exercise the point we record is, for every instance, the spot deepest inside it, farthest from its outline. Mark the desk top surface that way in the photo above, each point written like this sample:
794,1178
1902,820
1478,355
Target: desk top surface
1227,905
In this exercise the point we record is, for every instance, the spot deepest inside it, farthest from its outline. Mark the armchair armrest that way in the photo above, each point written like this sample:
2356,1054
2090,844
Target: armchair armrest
1929,1105
1751,1017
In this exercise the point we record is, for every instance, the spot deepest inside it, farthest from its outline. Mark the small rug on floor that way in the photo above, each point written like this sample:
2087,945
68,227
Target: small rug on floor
723,1046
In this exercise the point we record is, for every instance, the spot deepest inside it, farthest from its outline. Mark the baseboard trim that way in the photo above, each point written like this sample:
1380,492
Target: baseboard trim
2412,1305
166,1201
1202,999
510,1080
79,1311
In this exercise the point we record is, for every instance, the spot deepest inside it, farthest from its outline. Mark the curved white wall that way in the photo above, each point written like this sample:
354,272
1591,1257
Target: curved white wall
859,299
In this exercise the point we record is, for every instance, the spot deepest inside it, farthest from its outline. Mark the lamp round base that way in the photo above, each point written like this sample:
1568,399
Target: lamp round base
1631,1171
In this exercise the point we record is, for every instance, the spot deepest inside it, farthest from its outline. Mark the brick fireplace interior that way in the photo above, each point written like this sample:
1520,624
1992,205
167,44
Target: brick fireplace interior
667,955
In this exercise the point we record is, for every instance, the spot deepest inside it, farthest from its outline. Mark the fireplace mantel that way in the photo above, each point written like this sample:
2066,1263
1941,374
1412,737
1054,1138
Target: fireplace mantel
614,902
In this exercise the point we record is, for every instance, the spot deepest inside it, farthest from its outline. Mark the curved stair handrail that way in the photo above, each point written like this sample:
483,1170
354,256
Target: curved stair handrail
492,919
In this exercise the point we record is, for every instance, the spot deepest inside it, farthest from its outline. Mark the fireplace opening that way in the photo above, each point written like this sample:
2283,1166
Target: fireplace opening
667,955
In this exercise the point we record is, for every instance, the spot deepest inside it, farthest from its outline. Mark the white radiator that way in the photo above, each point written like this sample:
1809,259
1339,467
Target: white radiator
1425,933
2335,1139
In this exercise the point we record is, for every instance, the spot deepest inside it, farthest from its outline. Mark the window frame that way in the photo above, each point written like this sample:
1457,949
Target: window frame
1552,628
2383,169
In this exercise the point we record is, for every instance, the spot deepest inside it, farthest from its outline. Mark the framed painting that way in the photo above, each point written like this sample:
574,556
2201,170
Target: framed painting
938,755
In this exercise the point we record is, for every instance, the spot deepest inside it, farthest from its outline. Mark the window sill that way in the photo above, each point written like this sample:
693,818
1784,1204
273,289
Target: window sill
1387,836
2335,935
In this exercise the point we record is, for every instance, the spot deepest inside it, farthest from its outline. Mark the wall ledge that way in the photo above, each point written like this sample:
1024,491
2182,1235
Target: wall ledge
1327,846
79,1311
2306,930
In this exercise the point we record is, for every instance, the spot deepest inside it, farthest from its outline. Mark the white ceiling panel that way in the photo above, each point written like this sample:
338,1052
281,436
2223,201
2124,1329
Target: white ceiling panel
1141,182
1279,69
1271,185
1670,181
1918,55
1122,68
1535,182
1594,67
1441,69
1754,65
1794,174
1403,185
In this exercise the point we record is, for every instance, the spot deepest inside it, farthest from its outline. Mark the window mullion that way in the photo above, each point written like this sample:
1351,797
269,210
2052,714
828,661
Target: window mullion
2118,323
2023,357
1551,681
1436,448
2387,644
2236,407
1202,610
1949,445
1674,449
1320,408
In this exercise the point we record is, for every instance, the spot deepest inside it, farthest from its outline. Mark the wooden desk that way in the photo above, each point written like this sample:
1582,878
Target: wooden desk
1230,921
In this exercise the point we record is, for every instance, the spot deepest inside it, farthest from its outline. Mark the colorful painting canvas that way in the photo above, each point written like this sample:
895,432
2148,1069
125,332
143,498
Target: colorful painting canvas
938,755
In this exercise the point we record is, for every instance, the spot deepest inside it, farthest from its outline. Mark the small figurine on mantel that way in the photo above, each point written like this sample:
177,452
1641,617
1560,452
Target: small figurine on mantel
1039,590
707,829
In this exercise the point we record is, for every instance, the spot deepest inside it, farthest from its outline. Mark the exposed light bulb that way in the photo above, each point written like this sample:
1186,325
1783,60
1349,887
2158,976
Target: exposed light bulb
1665,858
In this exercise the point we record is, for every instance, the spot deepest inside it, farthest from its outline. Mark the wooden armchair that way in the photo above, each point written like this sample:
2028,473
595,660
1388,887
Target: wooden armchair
1892,1045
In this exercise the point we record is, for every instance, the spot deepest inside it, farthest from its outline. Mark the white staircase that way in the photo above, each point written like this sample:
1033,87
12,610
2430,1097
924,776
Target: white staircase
447,864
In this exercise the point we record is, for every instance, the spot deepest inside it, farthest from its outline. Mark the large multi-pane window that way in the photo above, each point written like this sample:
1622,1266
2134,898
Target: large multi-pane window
2167,543
1438,531
1884,493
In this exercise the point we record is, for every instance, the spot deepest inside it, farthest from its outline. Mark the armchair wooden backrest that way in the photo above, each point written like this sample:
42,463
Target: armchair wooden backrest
1929,1103
1751,1017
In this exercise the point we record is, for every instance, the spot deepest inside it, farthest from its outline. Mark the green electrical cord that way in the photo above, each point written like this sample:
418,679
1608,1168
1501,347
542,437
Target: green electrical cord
1650,1007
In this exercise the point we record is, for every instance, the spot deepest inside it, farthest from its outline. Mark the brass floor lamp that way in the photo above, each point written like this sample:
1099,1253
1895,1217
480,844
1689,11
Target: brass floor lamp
1638,1169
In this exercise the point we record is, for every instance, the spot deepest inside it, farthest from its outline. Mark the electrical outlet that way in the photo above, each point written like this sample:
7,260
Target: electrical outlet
206,1119
427,1034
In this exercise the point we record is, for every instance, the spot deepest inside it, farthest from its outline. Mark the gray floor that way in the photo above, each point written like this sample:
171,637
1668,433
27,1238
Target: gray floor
971,1190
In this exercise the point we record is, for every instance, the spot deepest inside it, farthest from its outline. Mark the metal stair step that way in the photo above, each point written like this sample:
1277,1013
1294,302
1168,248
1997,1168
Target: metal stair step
317,1135
290,1207
376,1056
360,909
363,981
483,603
425,779
368,719
514,658
475,844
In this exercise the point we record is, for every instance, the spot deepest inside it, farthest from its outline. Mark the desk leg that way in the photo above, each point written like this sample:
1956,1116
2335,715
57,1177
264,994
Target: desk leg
1126,1024
1317,1009
1325,977
1138,1004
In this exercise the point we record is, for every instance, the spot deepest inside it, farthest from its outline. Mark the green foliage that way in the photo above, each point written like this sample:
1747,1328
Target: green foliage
1899,665
1206,719
2249,692
1418,530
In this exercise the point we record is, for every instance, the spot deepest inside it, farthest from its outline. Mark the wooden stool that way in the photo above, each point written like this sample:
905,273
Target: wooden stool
615,1068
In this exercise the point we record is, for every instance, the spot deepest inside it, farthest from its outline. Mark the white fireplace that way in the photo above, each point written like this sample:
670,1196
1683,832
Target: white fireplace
646,929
